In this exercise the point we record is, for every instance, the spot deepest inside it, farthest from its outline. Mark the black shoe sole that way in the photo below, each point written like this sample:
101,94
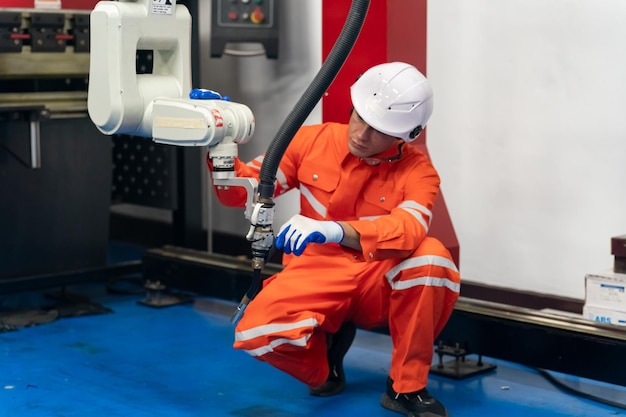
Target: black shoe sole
328,389
390,404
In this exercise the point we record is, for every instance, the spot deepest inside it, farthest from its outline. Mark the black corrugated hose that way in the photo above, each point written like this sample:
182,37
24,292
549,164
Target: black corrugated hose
309,99
325,76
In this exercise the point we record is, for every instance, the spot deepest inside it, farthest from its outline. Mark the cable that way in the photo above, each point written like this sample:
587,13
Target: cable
316,89
309,99
561,385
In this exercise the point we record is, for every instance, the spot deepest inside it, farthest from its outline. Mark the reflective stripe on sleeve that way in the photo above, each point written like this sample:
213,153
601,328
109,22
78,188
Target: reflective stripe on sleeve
256,163
308,196
414,209
371,218
418,211
281,178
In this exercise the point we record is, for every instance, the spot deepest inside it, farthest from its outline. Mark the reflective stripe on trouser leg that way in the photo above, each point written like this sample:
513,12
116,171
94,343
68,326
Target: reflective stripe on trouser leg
424,289
295,348
286,323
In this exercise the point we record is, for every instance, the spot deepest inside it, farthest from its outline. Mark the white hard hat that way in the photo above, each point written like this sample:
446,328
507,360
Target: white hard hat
394,98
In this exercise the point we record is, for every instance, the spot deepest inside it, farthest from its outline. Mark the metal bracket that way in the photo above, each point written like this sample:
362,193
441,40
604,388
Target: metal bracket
250,184
156,297
460,367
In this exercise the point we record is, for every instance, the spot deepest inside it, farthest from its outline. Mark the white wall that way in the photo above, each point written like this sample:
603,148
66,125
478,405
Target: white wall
528,135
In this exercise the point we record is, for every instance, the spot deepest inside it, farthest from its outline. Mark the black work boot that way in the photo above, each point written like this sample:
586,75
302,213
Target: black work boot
412,404
339,343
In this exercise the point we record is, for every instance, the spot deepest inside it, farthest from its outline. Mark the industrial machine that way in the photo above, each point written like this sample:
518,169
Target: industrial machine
176,115
44,64
54,181
55,171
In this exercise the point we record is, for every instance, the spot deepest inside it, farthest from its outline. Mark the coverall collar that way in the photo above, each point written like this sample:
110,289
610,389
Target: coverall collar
392,154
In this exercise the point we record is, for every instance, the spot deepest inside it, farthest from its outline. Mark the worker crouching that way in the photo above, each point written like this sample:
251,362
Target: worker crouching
359,253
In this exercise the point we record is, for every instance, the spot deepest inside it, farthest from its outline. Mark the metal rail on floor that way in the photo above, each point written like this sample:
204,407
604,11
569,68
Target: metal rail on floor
538,339
86,275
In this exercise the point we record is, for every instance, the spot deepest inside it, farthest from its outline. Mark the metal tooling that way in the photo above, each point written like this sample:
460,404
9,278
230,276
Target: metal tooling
44,57
44,66
43,43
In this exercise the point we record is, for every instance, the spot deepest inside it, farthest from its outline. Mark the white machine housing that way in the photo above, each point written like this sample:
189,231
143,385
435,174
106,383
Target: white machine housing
119,99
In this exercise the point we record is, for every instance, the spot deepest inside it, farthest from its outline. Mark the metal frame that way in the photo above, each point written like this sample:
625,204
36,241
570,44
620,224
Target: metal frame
81,276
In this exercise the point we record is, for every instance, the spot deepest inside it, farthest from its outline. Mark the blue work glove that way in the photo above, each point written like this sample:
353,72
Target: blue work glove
294,235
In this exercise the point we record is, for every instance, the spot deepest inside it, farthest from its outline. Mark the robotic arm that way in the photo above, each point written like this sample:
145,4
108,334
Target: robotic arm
153,105
161,105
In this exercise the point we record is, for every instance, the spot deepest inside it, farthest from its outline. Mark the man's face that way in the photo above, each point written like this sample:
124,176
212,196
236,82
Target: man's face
365,141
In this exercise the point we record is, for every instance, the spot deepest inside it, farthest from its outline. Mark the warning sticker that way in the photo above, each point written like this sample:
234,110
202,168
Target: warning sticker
163,6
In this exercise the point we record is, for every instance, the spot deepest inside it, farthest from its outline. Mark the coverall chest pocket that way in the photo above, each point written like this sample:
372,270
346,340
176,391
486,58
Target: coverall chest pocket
379,200
318,177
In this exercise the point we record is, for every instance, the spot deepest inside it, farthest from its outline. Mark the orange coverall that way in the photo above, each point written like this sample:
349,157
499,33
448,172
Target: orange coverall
402,278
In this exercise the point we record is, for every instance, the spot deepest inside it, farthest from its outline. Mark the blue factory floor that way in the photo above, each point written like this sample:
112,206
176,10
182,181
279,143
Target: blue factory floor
178,361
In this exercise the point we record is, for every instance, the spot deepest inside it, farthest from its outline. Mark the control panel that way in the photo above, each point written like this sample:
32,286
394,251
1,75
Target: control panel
244,21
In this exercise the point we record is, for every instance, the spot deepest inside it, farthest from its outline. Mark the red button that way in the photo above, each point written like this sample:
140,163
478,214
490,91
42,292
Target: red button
257,15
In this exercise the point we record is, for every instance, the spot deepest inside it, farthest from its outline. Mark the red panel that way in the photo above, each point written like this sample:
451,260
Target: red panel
407,31
370,49
79,4
65,4
407,41
22,4
395,30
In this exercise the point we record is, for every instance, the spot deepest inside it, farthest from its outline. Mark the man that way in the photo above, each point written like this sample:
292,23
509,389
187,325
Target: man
358,254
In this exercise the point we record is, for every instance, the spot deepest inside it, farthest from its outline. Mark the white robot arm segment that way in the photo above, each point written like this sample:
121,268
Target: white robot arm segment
201,122
119,99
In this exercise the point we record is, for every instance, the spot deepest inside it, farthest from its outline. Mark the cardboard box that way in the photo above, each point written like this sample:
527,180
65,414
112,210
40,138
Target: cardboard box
602,315
606,290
